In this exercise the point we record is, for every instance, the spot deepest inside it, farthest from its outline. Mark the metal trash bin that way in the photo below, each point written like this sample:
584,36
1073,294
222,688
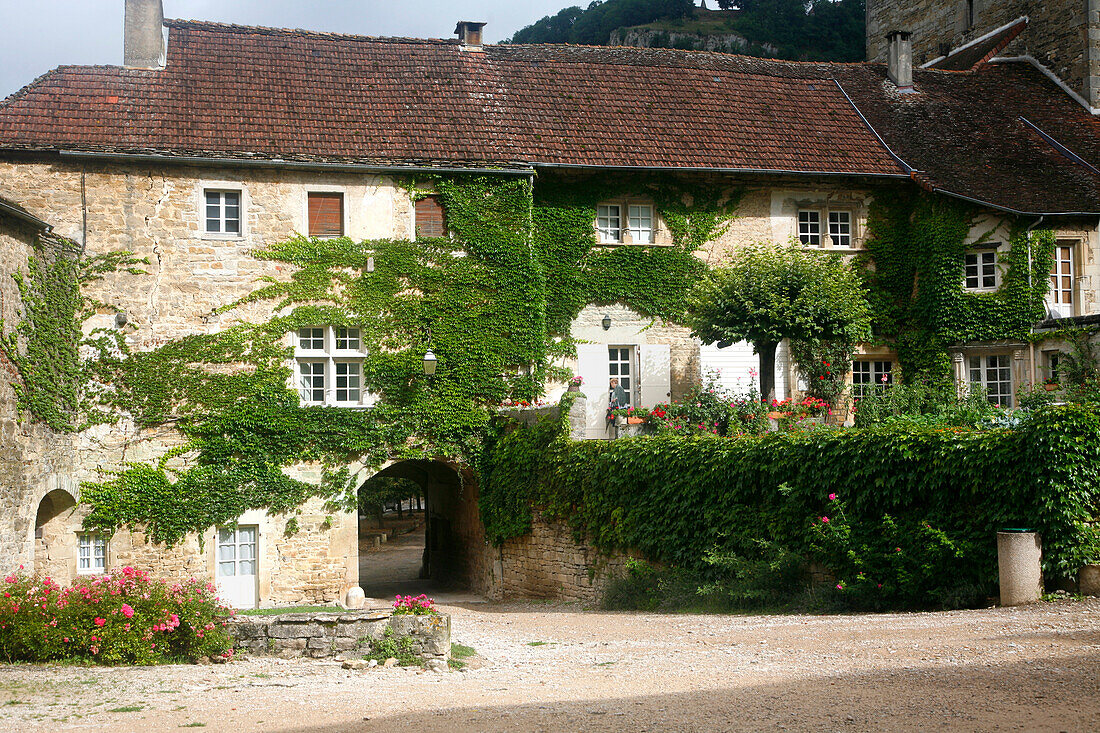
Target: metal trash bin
1019,562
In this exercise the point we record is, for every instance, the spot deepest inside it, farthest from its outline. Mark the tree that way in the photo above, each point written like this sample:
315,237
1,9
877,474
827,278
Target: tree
769,293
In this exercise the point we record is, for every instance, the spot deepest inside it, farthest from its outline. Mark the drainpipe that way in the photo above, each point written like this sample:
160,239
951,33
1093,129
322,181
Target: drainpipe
1031,327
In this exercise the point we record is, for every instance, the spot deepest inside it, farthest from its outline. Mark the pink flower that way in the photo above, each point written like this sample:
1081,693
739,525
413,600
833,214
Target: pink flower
127,611
839,586
824,520
100,621
832,497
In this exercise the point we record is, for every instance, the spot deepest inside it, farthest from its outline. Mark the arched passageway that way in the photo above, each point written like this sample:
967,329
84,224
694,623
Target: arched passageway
439,550
55,538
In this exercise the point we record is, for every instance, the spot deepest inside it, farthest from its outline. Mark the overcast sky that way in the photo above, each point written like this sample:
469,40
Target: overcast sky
37,35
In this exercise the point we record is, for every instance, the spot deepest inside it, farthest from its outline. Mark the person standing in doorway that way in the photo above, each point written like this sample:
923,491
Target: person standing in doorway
616,399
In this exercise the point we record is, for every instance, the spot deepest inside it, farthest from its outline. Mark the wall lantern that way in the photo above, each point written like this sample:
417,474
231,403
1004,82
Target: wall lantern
606,322
429,362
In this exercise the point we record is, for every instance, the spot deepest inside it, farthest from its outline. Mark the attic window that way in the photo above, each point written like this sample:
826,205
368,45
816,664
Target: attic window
326,214
430,220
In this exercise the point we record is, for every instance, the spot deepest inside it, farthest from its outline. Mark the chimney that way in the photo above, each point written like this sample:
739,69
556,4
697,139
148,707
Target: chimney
900,63
469,32
143,35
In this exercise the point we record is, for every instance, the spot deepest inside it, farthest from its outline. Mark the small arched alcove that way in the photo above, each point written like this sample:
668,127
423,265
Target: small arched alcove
441,551
55,537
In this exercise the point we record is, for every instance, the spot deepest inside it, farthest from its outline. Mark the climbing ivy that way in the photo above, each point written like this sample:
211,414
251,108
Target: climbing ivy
914,268
494,300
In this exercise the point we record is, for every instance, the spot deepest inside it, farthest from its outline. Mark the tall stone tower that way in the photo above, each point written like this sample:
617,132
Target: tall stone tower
1061,35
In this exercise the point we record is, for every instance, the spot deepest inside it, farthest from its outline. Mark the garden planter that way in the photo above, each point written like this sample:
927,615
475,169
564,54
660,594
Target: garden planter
776,415
1088,580
1019,556
574,388
635,420
1051,387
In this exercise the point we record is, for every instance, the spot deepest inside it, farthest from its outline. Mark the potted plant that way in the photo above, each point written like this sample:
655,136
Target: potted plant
575,383
1050,384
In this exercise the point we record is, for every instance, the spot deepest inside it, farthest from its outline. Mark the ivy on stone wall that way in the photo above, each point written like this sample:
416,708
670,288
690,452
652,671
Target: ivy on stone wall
914,270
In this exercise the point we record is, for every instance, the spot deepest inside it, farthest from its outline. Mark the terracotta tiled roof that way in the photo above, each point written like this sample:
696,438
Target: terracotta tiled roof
293,94
255,93
966,134
968,56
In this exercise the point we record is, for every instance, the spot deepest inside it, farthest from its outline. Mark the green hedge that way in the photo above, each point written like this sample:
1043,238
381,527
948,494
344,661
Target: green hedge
936,496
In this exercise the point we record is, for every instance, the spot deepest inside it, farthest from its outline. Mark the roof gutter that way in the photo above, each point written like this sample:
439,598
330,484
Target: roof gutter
705,169
34,221
1009,210
279,163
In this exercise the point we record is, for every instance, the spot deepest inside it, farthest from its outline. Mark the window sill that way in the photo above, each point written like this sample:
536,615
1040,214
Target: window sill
981,290
215,237
634,244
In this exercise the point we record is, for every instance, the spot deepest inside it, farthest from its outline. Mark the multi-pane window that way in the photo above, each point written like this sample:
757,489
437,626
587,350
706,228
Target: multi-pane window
237,551
994,373
619,367
609,223
840,228
867,374
330,365
640,223
430,221
223,212
91,553
809,227
1061,279
311,381
326,214
981,270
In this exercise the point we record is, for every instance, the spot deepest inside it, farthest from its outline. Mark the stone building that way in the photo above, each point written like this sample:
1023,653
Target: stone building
196,154
1061,37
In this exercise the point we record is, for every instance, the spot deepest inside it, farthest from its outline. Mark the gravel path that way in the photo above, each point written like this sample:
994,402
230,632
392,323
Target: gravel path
555,667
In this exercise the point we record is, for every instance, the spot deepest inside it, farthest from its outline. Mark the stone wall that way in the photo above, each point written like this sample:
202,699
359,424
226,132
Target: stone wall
1063,35
349,633
549,563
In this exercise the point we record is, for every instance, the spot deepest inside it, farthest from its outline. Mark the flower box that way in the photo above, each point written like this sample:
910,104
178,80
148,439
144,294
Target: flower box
635,420
1051,387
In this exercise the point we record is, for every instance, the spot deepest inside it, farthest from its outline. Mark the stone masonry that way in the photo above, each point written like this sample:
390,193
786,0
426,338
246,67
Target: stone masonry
349,633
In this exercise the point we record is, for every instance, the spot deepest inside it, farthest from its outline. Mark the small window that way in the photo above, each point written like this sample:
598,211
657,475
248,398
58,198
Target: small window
311,339
994,373
92,554
809,227
223,212
620,359
1061,278
609,223
840,228
347,381
311,381
640,223
326,214
429,218
347,339
981,270
868,374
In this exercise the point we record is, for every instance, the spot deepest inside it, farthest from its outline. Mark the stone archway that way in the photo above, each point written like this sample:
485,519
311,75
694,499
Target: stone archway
453,554
55,539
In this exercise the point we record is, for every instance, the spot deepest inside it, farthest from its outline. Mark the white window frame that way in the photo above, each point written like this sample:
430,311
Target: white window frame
1061,296
640,223
809,227
609,223
978,372
838,221
221,189
87,543
876,368
340,345
616,365
983,258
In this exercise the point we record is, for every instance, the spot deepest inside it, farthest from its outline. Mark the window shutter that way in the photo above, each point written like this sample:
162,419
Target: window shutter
429,218
326,214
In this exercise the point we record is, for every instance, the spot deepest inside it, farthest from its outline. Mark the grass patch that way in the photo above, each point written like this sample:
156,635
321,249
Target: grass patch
538,643
193,725
127,709
459,654
291,609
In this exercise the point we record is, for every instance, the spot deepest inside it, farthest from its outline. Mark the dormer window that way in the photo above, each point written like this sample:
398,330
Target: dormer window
640,224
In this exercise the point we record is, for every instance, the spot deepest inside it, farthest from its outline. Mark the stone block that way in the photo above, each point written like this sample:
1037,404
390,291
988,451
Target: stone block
290,631
288,644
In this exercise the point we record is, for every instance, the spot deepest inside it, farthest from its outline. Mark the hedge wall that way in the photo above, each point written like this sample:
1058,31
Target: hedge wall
849,499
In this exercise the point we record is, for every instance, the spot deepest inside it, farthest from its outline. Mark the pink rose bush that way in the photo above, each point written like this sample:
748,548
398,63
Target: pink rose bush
126,617
419,605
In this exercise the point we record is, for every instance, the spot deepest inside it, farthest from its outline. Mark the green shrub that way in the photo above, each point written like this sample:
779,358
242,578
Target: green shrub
122,618
929,404
752,501
402,648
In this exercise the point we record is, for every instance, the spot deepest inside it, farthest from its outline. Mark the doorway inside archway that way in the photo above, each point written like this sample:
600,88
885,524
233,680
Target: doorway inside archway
418,529
55,538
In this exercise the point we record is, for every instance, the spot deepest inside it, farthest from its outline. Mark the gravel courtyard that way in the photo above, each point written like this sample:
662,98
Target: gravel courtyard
555,667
